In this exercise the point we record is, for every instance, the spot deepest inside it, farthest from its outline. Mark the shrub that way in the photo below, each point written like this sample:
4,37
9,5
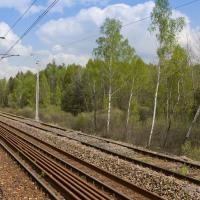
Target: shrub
26,112
83,122
191,151
54,115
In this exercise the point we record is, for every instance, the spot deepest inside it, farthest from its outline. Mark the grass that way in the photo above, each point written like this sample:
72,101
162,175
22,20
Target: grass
184,170
191,151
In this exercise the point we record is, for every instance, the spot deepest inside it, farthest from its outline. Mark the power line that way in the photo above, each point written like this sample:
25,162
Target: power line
32,25
88,37
186,4
128,24
148,17
20,18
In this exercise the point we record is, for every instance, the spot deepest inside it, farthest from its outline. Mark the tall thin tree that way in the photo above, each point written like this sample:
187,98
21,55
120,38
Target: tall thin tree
112,49
166,29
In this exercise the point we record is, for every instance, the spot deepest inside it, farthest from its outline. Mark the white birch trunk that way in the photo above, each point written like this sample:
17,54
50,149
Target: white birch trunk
94,107
155,107
167,107
109,98
178,98
179,95
109,107
193,122
129,106
37,98
193,82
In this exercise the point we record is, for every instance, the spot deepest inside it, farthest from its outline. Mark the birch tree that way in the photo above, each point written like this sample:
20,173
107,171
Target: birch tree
166,29
138,74
176,73
129,104
110,49
92,87
197,114
192,124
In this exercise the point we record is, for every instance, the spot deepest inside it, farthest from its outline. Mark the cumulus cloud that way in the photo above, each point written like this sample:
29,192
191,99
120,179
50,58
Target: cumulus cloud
61,5
87,22
66,58
18,5
22,5
190,40
8,70
11,38
59,35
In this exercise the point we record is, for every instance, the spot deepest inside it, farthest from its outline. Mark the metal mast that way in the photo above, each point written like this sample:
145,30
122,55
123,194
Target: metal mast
37,98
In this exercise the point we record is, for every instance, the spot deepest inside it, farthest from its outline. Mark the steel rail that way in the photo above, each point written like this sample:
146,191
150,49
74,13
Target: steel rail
133,160
136,149
87,192
142,163
133,187
73,186
31,173
1,194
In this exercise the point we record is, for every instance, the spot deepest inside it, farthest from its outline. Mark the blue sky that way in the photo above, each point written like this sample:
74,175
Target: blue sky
72,20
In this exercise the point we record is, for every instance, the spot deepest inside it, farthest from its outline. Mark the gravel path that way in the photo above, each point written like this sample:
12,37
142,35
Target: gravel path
15,183
168,187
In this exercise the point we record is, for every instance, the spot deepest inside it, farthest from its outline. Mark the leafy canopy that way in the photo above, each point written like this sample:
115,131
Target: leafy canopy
165,27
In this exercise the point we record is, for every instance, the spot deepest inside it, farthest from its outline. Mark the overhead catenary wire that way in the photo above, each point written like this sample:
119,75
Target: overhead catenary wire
32,25
128,24
186,4
94,35
20,17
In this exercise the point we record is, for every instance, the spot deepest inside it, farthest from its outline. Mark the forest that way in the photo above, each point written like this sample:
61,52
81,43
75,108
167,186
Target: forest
117,94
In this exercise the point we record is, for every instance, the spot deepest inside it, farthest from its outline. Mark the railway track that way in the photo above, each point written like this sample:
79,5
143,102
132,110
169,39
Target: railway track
160,157
135,149
61,177
1,194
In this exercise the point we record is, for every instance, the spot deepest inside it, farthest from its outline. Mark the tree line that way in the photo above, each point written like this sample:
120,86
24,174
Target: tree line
117,78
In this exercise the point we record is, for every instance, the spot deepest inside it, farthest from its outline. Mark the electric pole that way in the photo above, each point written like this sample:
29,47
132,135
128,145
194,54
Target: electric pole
37,94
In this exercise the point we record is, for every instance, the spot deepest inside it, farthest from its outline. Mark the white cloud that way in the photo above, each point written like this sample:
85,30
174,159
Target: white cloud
46,56
61,5
22,5
65,58
57,48
11,38
58,35
87,22
18,5
190,40
8,69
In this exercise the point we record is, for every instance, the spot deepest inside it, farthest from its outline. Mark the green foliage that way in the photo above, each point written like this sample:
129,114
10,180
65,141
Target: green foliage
44,90
184,170
75,96
165,27
191,151
23,91
73,99
83,122
3,93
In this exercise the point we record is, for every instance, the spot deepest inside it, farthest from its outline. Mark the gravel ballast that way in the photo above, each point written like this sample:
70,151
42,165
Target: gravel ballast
15,184
167,187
